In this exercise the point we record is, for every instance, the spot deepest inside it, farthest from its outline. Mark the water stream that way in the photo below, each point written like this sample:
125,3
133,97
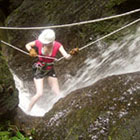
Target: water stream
120,57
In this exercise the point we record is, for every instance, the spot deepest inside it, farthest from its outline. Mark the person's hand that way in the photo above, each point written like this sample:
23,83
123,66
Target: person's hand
33,53
74,51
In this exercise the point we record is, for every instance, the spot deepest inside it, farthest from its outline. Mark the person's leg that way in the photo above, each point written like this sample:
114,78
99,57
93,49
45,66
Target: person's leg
53,83
39,92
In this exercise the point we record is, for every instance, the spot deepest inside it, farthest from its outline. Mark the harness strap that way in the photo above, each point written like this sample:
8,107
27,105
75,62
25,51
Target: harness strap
42,66
48,64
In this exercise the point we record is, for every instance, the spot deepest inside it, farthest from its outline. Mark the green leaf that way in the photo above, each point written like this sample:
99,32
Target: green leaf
2,133
33,131
6,137
20,136
109,137
14,138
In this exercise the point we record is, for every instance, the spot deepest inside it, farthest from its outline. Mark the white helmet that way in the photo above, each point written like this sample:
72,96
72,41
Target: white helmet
47,36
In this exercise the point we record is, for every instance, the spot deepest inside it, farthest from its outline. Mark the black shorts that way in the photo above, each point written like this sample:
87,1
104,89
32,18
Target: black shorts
38,73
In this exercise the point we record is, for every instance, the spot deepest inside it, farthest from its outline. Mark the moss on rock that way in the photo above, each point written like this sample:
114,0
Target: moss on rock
5,76
8,92
105,110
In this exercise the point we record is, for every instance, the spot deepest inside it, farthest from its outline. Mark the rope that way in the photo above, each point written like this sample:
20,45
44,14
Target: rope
89,44
16,48
72,24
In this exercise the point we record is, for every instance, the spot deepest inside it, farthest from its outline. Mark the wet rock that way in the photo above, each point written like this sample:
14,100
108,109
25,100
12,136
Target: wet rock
98,117
8,92
25,122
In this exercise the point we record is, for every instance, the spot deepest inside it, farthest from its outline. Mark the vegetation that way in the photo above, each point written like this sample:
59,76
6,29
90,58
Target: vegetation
11,132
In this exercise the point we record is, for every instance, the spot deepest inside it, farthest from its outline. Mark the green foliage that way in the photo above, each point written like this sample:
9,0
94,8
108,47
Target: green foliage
11,132
109,138
33,131
6,135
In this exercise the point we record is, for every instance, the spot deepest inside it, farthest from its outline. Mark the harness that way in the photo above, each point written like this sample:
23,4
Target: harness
44,65
41,67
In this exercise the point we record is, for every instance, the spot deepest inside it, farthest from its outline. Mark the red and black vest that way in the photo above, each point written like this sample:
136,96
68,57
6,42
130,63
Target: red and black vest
39,45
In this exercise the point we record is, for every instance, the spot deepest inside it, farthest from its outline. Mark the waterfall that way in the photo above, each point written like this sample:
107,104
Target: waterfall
42,106
118,58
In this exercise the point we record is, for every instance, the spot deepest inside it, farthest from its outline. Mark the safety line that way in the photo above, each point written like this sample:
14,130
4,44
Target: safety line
72,24
89,44
25,51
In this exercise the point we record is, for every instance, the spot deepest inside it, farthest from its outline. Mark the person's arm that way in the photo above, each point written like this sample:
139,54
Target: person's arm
64,53
30,45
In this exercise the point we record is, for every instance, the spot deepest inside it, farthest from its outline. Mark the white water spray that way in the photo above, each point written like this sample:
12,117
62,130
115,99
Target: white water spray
120,57
42,106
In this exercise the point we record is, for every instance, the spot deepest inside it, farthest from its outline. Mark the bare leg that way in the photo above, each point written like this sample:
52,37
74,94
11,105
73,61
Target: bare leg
53,82
39,92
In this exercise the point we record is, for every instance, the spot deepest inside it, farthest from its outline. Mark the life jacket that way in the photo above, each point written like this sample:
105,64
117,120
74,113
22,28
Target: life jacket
45,61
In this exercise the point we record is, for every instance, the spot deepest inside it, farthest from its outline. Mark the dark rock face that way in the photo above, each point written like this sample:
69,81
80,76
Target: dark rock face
25,122
8,93
109,109
7,6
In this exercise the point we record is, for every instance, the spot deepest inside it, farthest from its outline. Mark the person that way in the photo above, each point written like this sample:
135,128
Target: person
46,45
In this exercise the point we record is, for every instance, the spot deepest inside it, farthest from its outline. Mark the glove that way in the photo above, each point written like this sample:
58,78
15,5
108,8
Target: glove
74,51
33,53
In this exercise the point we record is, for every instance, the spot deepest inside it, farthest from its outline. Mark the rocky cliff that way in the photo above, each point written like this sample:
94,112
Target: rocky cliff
8,92
106,110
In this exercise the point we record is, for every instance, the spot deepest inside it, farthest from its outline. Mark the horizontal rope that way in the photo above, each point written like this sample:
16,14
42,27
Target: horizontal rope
89,44
110,34
72,24
16,48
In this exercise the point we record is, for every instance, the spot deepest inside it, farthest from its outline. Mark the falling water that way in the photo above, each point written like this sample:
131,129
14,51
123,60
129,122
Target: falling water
120,57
